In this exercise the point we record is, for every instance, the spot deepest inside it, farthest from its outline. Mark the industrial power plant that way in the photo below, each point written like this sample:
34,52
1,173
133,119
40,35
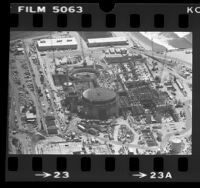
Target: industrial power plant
100,93
100,103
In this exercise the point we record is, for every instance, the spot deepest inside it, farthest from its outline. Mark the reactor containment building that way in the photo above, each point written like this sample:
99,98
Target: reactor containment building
100,103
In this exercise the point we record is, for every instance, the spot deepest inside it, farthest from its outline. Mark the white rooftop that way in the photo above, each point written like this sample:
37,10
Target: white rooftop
30,115
57,42
20,49
108,39
176,140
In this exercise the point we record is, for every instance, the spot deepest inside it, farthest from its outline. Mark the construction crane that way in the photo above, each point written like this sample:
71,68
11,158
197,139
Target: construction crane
152,46
53,48
163,65
163,62
94,63
82,51
153,63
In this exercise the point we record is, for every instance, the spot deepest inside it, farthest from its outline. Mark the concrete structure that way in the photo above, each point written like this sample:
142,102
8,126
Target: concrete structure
120,58
179,84
57,44
116,58
96,42
176,145
30,117
20,50
99,103
84,74
52,130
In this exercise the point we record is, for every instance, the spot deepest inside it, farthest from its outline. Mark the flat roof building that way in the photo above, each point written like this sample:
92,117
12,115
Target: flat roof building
95,42
57,44
180,85
52,130
117,58
30,116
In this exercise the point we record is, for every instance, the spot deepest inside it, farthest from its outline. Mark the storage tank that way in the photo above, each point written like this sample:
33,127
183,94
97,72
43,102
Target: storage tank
99,103
99,95
176,145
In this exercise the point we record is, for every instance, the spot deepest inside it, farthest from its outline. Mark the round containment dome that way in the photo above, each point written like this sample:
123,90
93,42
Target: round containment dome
99,95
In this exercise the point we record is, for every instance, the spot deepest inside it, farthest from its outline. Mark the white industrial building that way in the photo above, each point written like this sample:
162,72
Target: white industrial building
96,42
30,117
57,44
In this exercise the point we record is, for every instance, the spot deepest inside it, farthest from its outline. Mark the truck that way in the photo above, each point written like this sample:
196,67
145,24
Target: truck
170,96
117,50
93,131
106,52
179,84
112,51
81,127
123,50
48,96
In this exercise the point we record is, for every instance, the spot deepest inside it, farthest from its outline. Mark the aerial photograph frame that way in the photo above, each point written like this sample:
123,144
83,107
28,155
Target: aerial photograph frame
102,93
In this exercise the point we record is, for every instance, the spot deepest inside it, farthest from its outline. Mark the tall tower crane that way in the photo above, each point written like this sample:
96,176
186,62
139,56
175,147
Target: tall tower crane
152,46
82,51
163,65
53,48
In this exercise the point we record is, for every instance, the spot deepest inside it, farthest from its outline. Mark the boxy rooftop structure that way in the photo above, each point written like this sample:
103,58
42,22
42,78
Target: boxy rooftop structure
107,41
57,43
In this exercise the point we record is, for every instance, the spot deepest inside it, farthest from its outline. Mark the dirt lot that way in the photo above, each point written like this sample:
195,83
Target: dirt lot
14,35
181,55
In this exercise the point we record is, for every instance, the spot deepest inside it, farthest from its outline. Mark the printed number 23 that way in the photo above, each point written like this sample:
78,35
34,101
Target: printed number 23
61,175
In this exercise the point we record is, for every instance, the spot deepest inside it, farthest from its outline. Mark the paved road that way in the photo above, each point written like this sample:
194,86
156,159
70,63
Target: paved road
13,102
35,97
48,80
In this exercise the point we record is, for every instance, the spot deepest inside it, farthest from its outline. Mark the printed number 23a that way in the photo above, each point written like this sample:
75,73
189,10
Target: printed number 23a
160,175
61,175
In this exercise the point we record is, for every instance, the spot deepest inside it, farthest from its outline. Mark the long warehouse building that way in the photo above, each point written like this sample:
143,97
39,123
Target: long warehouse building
96,42
57,44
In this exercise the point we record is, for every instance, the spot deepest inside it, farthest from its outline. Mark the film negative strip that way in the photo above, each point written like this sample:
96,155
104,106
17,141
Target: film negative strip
103,95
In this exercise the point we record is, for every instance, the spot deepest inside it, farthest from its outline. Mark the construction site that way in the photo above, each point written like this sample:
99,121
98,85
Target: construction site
98,93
